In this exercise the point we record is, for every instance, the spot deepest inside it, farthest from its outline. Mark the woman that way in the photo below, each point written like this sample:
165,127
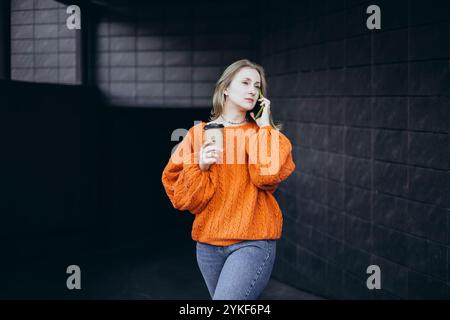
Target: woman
237,219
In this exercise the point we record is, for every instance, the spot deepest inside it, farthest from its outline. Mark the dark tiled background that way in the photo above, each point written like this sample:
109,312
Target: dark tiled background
367,113
369,116
172,55
42,47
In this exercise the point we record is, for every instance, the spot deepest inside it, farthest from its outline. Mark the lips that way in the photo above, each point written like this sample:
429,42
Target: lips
249,99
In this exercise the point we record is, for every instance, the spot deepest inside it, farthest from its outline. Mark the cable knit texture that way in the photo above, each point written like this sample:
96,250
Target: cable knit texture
231,202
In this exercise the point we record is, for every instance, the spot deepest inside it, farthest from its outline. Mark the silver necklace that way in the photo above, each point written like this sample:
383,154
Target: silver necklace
230,122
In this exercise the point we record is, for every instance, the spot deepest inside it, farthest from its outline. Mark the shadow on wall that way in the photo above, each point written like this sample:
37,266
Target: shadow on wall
79,177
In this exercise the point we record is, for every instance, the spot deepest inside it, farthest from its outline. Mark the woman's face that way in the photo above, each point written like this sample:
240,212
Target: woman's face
243,90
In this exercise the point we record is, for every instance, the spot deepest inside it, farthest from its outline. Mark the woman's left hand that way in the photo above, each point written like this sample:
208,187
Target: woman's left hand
264,119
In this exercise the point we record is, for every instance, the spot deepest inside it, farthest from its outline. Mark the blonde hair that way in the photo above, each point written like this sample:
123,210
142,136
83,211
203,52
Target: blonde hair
225,80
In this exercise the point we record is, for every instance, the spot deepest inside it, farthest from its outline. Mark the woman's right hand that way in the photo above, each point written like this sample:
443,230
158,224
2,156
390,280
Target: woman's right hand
209,154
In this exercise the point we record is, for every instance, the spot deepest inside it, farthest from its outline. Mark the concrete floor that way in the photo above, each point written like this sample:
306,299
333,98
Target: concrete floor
130,276
178,278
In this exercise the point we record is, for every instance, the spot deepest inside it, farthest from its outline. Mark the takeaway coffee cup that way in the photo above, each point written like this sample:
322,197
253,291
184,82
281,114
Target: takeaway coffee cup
214,132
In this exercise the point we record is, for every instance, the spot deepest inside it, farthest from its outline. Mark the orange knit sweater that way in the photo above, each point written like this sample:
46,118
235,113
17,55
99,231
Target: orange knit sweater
231,202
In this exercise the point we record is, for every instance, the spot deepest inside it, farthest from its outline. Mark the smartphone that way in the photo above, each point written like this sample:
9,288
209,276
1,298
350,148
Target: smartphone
257,109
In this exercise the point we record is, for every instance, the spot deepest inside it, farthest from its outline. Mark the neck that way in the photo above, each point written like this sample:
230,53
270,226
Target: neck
233,115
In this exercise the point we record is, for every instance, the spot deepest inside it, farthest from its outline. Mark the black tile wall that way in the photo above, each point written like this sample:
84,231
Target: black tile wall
370,119
43,49
172,55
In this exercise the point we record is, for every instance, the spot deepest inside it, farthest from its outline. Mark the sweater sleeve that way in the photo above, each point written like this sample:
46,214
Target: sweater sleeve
187,187
270,158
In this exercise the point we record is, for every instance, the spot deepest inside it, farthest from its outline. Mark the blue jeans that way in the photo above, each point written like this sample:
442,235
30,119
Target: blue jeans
237,272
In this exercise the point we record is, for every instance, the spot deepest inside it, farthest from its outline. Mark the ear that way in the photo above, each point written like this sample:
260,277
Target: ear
225,91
